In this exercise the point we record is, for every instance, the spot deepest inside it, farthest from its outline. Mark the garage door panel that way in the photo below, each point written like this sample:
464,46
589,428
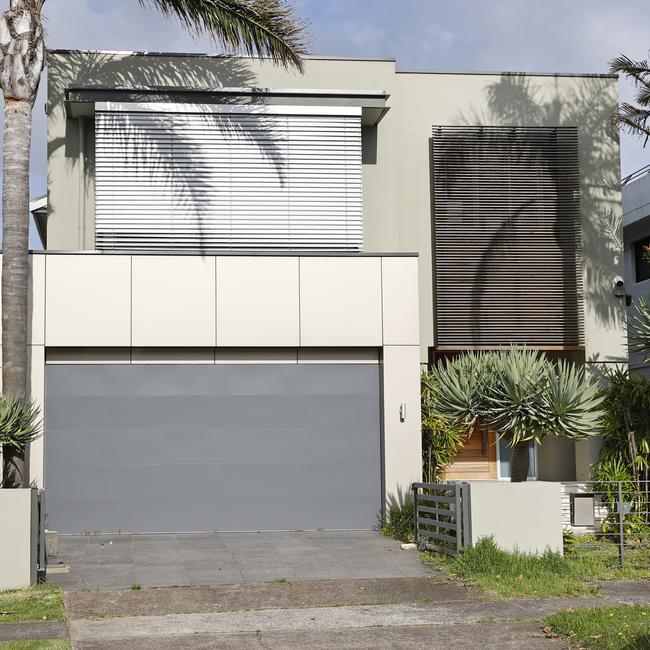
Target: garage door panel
259,502
174,412
247,446
194,481
247,380
224,447
175,515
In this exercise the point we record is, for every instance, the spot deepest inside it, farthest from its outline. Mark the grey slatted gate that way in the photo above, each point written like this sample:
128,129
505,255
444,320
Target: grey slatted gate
441,516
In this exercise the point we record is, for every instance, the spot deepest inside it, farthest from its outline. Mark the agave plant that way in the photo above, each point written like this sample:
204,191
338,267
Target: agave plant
572,403
458,387
521,395
514,397
20,424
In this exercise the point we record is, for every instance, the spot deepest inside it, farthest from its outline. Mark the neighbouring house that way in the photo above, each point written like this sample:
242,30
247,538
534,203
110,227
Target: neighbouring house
245,269
636,233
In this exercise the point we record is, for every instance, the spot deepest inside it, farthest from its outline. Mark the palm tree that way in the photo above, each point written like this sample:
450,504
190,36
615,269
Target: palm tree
261,28
521,395
630,117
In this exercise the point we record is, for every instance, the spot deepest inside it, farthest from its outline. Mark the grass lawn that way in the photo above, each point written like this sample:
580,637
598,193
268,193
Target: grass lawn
35,645
637,556
518,575
625,627
38,603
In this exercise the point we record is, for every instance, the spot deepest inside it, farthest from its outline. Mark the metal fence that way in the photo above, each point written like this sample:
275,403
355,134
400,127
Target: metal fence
609,520
441,516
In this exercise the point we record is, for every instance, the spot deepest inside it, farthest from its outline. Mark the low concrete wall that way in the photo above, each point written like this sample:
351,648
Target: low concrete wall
519,516
19,511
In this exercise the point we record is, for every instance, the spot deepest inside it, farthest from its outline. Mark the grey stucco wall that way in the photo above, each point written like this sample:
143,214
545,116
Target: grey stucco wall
396,170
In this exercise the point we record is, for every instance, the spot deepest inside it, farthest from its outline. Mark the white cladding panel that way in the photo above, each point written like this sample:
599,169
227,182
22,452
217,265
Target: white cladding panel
218,179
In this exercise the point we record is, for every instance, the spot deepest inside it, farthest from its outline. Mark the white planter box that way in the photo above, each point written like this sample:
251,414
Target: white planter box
18,541
520,516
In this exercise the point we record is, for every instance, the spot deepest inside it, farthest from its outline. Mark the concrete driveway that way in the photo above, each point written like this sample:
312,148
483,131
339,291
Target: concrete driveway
110,562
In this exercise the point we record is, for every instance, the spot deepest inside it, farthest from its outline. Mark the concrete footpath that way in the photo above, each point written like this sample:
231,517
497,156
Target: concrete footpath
364,613
377,613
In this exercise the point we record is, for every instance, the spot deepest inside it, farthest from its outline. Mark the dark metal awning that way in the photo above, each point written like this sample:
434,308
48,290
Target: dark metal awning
80,100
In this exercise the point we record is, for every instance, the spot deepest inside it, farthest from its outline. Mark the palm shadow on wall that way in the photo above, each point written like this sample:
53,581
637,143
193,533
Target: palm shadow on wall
96,69
515,100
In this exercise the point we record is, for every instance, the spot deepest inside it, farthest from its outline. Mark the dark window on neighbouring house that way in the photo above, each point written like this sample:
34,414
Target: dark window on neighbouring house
507,239
642,259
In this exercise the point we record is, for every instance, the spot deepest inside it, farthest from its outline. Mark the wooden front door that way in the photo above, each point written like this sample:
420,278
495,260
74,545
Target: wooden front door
477,459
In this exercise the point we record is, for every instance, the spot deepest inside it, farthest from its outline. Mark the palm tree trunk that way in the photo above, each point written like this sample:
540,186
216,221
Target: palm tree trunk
15,270
520,462
23,53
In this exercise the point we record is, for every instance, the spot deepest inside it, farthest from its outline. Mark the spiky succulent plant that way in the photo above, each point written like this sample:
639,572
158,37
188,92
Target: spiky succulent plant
520,394
20,422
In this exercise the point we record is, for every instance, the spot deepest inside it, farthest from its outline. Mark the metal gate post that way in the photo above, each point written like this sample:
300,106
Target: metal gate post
465,506
42,557
416,532
621,537
458,519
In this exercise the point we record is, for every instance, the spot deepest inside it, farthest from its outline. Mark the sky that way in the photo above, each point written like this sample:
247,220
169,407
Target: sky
459,35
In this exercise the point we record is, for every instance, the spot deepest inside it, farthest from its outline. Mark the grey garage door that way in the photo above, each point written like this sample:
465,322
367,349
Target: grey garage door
174,448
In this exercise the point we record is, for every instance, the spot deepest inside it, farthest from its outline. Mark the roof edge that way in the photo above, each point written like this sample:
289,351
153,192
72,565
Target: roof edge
319,57
512,73
216,55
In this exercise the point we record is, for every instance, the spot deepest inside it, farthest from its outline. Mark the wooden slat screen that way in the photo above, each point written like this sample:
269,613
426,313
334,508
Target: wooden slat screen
228,177
507,237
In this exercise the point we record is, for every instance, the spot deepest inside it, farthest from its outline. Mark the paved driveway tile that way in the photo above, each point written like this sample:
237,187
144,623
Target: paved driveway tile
118,561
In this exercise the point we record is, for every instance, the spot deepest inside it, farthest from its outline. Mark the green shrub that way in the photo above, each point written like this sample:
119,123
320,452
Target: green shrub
441,441
625,454
606,474
398,522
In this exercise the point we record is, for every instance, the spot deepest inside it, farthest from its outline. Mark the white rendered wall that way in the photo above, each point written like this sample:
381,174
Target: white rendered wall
519,516
402,439
17,556
249,309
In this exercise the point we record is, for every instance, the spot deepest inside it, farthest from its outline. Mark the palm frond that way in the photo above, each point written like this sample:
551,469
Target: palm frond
639,328
632,119
638,70
259,28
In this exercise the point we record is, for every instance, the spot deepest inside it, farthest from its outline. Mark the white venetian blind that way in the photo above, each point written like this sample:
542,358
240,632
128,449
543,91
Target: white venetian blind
228,177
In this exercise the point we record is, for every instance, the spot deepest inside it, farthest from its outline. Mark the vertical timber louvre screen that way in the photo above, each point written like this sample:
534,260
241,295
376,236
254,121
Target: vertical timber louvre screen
507,236
173,177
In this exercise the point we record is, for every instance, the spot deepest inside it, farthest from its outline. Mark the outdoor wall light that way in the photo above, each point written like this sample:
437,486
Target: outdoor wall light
619,287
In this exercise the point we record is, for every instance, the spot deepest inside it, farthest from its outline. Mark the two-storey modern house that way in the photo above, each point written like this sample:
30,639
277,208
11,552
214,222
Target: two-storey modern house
246,268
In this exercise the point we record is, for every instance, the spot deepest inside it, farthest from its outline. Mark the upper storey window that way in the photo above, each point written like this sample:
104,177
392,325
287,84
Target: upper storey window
642,259
236,177
506,227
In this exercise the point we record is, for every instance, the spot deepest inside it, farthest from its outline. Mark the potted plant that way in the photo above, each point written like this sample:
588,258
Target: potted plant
20,424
